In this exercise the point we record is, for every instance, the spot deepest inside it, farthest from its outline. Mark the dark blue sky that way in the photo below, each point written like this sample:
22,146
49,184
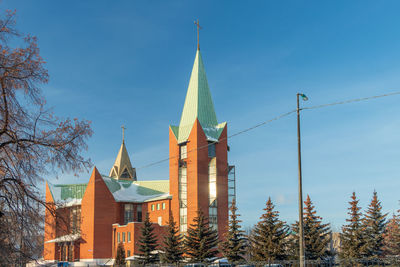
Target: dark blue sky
129,62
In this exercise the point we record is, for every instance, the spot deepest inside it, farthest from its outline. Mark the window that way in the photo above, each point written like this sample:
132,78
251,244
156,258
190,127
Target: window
163,206
212,180
183,219
211,150
183,151
129,253
139,213
118,238
158,206
125,174
75,219
212,183
160,220
70,252
128,213
182,180
129,236
123,237
152,207
183,228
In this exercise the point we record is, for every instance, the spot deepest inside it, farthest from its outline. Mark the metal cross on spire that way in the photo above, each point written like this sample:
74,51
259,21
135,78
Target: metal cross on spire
198,33
123,133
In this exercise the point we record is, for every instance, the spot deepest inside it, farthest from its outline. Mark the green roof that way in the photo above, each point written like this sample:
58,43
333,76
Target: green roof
198,104
144,188
150,187
137,191
67,191
123,191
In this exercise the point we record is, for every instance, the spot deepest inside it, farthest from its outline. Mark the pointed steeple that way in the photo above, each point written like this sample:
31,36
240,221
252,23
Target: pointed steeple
122,168
198,105
198,102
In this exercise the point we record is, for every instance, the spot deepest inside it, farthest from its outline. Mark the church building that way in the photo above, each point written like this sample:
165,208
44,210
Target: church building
93,218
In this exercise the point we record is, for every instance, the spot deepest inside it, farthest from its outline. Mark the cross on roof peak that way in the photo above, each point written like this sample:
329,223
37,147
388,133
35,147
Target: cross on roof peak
196,22
123,133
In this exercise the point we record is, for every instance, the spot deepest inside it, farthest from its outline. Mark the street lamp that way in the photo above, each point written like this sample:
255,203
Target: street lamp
301,234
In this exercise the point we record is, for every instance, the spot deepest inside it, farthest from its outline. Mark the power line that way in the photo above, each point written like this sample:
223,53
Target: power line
351,101
223,139
274,119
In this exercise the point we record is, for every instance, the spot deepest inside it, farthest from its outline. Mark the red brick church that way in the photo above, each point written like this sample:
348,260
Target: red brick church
92,218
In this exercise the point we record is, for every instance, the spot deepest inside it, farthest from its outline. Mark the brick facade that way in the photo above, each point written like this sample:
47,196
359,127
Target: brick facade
105,209
198,177
129,236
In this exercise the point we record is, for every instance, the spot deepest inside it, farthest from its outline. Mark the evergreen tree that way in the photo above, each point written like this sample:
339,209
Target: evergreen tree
234,246
391,237
352,239
201,240
374,224
317,235
120,259
173,249
147,241
269,237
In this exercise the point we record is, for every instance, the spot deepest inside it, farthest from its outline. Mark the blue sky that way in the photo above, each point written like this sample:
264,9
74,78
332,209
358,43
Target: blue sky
129,62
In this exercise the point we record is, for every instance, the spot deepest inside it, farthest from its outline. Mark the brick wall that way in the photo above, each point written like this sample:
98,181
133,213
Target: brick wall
173,175
49,252
155,210
134,228
222,183
99,212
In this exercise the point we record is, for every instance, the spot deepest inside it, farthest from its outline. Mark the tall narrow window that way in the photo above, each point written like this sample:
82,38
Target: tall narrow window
123,237
129,236
128,214
211,150
183,199
212,182
75,219
183,151
118,237
139,213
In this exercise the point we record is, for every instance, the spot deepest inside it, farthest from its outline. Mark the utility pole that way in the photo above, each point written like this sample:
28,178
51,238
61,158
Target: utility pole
301,234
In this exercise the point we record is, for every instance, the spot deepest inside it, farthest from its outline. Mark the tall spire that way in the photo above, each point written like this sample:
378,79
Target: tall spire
122,168
198,102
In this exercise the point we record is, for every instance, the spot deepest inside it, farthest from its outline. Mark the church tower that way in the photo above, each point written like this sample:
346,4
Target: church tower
122,168
198,157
